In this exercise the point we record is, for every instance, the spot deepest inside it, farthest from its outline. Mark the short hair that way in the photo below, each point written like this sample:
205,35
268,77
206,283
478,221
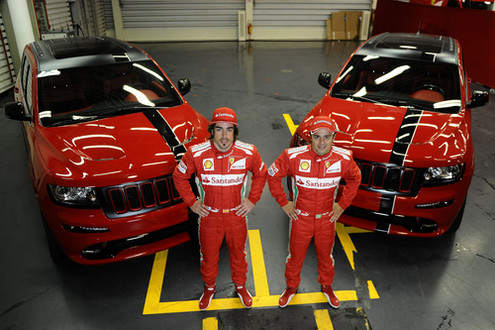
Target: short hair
211,127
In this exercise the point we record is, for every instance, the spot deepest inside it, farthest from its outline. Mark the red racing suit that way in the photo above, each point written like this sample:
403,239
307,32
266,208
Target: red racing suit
221,178
315,180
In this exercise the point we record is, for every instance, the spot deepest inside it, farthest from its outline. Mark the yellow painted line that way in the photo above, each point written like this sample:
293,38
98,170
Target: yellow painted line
258,264
210,323
152,301
372,290
346,242
355,230
322,319
290,123
154,306
361,313
319,297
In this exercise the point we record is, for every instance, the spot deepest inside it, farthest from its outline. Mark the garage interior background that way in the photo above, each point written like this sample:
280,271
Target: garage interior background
241,20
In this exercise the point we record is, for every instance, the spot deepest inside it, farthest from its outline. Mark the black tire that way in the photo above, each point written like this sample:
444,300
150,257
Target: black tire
56,252
457,221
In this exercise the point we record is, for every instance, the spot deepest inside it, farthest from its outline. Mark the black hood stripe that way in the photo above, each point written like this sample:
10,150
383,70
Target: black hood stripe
399,151
166,132
405,135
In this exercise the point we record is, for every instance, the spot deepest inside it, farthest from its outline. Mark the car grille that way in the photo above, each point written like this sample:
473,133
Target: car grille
389,178
139,197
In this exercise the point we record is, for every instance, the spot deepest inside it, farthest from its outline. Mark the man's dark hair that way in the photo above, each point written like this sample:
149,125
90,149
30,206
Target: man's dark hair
211,127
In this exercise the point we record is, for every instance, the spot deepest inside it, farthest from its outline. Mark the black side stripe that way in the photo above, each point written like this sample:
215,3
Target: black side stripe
166,132
399,151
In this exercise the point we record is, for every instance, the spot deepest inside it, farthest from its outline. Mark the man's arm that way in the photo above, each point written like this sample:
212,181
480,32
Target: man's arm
352,177
182,173
277,171
258,180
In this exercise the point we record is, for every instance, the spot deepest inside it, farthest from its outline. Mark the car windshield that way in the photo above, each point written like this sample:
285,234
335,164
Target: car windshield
423,85
92,92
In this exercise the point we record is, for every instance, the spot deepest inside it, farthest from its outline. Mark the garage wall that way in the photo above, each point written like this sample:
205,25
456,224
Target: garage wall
296,19
196,20
474,28
7,71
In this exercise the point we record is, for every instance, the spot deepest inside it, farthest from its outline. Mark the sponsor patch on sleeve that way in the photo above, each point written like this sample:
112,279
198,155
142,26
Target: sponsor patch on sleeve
272,170
182,167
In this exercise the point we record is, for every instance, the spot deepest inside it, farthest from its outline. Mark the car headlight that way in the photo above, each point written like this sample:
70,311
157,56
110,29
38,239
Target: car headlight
73,196
443,175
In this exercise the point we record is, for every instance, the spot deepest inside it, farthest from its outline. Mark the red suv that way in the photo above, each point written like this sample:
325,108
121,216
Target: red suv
402,105
104,129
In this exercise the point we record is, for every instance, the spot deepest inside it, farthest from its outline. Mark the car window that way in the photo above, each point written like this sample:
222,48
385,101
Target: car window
427,85
26,85
88,93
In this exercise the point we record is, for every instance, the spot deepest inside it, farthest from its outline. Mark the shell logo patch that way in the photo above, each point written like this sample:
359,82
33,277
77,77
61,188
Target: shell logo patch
208,164
305,165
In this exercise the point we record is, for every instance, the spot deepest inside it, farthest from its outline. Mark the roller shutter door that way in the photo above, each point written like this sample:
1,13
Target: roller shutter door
167,14
7,71
309,13
92,17
58,15
297,19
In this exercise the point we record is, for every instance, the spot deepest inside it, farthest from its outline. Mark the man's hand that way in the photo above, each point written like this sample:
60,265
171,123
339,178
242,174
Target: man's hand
337,212
244,208
200,208
290,210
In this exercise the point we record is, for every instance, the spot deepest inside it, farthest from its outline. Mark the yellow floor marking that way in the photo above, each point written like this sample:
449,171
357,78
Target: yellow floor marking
355,230
258,264
262,298
346,242
372,290
155,285
323,321
290,123
210,323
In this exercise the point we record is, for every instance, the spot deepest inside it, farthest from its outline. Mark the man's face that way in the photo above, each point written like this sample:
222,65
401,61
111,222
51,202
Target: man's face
322,141
223,136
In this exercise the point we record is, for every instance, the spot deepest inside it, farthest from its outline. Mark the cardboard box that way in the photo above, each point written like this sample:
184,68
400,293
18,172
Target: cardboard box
343,25
352,20
338,26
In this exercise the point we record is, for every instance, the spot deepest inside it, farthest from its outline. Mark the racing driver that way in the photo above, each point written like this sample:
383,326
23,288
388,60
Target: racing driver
315,171
221,166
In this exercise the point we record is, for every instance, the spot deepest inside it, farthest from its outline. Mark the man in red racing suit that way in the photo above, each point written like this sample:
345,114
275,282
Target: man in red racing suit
316,171
221,167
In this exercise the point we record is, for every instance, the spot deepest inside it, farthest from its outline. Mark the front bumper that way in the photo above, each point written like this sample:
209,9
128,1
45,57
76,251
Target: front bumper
429,214
115,240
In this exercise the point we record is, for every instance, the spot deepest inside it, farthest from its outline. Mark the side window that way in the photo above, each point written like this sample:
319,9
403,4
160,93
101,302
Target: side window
26,84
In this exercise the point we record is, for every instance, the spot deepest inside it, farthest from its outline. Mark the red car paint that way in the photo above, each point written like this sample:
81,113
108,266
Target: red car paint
399,138
125,156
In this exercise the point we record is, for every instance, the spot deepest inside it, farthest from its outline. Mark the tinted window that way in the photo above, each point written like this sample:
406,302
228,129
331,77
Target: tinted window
426,85
26,85
88,93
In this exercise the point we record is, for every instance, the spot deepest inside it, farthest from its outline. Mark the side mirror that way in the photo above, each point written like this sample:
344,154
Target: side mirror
478,98
184,85
325,80
15,111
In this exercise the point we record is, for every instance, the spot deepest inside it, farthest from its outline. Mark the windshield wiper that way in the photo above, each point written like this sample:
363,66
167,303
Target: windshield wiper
71,120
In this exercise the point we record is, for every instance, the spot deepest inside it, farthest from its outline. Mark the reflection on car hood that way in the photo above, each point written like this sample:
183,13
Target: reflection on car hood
382,129
121,149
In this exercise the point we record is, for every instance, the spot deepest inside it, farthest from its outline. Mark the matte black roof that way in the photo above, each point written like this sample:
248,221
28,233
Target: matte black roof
420,47
83,51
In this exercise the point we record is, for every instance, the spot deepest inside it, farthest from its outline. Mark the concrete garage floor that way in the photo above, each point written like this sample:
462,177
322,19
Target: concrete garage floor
389,283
